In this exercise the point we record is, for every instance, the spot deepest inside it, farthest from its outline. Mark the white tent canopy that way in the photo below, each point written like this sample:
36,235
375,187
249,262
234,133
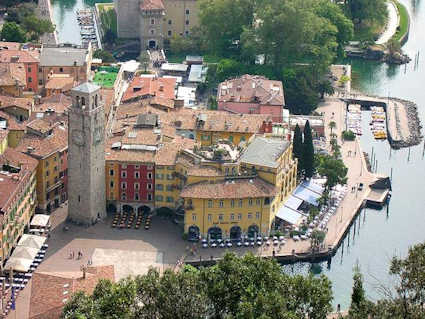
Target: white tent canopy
40,220
18,264
32,241
24,252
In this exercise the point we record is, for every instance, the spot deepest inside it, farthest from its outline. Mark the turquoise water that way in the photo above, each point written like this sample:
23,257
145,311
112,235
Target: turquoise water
378,235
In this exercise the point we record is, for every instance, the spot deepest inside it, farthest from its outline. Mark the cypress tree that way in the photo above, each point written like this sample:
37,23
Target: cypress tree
308,151
298,146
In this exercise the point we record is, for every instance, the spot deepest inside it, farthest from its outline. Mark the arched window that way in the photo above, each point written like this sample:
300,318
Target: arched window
83,101
95,101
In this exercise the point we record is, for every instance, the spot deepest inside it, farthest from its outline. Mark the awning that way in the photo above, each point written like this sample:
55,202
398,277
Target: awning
32,241
293,202
24,252
289,215
40,220
307,195
18,264
313,186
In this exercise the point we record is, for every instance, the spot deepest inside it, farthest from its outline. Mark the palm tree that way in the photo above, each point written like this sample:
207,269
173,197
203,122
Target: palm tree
332,125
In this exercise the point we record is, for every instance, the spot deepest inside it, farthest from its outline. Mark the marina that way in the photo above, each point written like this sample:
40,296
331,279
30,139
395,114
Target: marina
88,28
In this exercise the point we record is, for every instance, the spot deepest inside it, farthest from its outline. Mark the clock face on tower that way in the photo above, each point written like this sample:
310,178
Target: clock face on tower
78,137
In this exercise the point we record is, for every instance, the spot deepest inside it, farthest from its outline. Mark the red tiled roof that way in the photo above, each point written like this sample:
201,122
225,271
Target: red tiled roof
64,83
9,45
22,56
12,74
149,87
238,188
152,5
57,102
44,146
251,89
22,102
47,290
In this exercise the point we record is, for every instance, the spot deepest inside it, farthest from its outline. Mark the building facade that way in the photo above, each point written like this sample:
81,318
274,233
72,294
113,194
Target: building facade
30,62
46,141
86,157
65,59
17,198
152,21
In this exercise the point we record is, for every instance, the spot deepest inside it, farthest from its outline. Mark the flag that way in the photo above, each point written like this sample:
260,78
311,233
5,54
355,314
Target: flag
13,299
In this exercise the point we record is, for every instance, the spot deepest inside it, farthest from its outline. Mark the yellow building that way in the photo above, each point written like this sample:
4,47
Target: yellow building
239,197
17,198
235,128
48,143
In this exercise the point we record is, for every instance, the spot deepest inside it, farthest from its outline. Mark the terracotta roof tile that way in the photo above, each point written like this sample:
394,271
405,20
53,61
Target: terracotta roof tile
64,83
12,73
238,188
142,87
44,146
57,102
251,88
21,56
9,45
152,5
12,122
22,102
47,290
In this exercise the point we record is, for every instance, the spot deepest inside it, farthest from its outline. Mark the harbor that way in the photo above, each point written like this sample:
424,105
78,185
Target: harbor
88,29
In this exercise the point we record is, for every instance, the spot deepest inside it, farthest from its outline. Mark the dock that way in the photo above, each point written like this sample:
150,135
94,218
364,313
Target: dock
401,122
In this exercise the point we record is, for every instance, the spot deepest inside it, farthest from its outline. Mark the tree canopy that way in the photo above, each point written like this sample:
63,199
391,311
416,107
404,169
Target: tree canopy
308,151
405,300
30,25
333,168
12,32
236,287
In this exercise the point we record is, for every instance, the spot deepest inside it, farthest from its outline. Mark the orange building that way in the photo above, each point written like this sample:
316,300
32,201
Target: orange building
31,65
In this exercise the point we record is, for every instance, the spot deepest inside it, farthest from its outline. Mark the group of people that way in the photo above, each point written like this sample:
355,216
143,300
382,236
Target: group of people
79,255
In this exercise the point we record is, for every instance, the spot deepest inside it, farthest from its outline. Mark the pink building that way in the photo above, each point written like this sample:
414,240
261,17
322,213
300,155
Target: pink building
252,94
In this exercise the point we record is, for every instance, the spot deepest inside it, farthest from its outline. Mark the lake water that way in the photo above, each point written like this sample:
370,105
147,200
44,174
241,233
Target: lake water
378,235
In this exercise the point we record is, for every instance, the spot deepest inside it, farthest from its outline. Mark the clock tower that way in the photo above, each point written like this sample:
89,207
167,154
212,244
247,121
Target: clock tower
86,155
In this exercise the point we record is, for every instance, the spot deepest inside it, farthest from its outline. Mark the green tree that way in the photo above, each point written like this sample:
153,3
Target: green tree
334,13
37,27
236,287
223,21
333,169
365,10
12,32
325,87
332,126
106,56
317,238
403,301
308,151
109,26
228,68
301,94
298,147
